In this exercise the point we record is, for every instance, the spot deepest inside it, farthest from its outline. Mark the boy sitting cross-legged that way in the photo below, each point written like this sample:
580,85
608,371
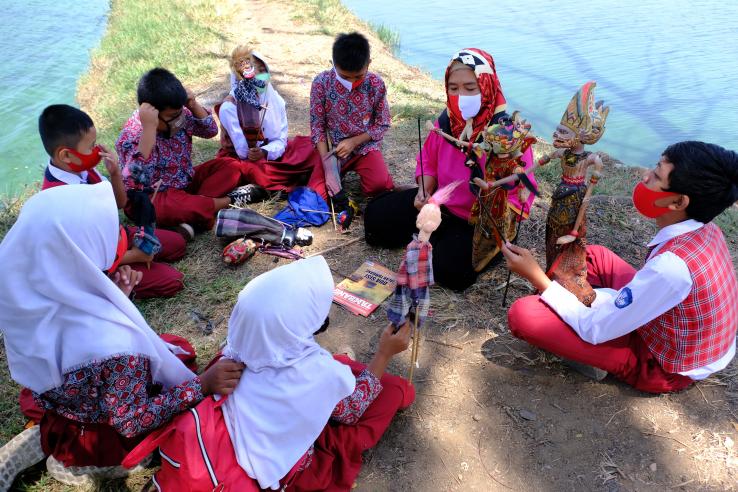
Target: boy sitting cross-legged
69,136
155,147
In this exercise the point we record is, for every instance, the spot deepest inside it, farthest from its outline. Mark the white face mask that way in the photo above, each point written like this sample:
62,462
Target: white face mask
345,83
469,106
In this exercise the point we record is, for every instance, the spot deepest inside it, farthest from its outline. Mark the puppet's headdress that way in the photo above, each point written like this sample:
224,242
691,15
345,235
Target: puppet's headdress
585,117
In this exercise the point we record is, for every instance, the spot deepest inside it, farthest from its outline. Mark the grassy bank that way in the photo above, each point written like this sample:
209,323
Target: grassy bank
192,38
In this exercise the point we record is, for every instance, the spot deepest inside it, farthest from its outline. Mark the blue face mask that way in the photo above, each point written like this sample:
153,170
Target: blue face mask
265,77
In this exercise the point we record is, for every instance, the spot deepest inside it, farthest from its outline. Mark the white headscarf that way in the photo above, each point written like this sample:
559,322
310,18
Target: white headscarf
291,384
58,310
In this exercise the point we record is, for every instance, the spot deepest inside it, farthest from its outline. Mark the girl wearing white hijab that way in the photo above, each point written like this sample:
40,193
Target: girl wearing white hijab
102,376
274,163
278,415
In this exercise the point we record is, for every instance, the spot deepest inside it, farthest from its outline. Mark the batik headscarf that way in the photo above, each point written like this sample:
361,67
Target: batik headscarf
493,101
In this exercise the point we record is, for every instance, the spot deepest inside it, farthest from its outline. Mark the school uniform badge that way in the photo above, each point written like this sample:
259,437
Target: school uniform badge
624,299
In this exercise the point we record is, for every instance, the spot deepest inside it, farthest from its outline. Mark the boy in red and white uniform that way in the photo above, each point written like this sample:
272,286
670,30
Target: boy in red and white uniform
673,321
70,138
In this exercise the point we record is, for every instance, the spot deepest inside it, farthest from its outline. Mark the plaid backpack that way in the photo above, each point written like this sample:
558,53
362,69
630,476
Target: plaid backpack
196,453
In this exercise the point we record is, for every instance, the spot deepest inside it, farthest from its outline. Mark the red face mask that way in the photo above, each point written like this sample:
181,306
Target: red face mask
87,161
644,200
120,250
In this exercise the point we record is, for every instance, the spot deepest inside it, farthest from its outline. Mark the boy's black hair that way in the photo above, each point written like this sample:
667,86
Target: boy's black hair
350,52
707,174
61,125
160,88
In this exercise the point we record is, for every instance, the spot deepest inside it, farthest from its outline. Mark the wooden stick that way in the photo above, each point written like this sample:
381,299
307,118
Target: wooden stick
420,156
333,215
156,190
316,211
414,350
429,126
515,240
327,250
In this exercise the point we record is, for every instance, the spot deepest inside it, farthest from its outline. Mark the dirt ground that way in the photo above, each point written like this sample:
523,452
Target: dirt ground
491,413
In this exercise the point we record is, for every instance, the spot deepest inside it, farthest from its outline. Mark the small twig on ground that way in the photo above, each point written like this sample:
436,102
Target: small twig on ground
697,385
613,416
484,467
681,484
432,394
477,401
445,343
449,470
327,250
667,437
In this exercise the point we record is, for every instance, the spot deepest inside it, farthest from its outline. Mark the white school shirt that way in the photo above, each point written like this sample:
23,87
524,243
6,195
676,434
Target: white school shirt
274,125
661,284
71,178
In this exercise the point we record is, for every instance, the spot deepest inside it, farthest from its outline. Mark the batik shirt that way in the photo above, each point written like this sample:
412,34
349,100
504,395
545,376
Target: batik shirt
350,409
170,159
119,392
340,113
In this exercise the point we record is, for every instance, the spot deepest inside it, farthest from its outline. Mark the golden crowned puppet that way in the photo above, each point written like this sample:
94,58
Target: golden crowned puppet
493,215
583,123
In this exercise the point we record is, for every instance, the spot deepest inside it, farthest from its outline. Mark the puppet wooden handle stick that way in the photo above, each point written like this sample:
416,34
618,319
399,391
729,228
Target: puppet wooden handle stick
156,190
414,348
429,126
582,208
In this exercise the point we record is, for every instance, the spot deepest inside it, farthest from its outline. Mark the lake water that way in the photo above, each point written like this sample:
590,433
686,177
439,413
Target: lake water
44,48
667,69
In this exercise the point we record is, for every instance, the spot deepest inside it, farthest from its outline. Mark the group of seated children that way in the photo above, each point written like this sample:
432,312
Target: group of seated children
101,379
98,379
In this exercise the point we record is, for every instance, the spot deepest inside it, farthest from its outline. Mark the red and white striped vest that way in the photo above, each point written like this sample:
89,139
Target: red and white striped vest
700,329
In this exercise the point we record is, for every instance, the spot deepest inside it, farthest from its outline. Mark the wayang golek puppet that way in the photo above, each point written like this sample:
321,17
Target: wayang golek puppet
246,95
494,219
504,144
415,276
583,123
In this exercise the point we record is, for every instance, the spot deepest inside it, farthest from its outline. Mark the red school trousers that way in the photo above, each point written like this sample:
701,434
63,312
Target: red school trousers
627,357
160,279
337,453
194,204
299,162
372,170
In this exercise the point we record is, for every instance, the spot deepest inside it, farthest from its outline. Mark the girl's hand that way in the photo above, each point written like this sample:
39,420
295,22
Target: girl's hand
421,198
126,279
222,377
391,343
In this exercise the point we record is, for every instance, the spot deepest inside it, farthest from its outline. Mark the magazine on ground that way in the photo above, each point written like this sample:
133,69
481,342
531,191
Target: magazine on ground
365,289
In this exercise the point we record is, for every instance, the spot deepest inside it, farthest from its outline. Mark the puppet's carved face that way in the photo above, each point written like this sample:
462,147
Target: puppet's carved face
564,138
242,63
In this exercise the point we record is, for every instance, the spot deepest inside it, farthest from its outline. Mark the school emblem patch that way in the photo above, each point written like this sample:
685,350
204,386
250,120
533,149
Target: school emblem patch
624,299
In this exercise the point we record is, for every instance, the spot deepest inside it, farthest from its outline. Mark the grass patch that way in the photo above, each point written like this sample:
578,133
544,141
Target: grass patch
387,35
183,37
